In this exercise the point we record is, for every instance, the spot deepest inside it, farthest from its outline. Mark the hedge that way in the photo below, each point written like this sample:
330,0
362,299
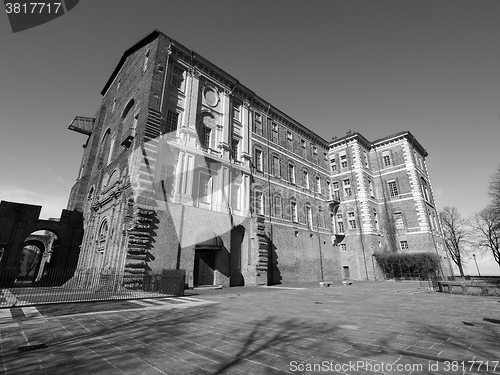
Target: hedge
421,265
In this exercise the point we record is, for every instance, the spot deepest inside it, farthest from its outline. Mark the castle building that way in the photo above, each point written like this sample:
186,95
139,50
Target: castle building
387,202
186,168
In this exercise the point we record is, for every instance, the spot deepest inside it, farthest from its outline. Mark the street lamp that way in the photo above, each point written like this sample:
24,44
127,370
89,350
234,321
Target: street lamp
474,256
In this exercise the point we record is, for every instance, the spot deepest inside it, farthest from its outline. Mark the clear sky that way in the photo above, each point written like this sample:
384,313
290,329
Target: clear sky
376,67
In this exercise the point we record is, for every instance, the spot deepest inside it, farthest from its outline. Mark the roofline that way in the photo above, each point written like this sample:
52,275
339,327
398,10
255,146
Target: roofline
406,134
348,136
141,43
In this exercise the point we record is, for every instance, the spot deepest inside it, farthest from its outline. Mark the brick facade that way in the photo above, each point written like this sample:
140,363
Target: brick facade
185,167
390,188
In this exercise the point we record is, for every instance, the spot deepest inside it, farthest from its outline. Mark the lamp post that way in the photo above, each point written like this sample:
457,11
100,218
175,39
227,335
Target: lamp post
474,256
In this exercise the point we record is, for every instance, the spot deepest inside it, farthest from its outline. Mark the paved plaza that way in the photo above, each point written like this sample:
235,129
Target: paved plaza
364,328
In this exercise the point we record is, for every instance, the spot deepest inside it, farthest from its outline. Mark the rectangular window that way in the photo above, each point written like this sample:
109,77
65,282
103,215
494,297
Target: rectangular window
259,203
274,132
333,164
258,160
303,143
171,122
340,227
289,141
340,224
204,188
114,105
347,187
393,188
235,143
352,220
370,188
398,220
309,217
386,158
276,166
258,123
177,79
236,111
306,180
375,220
315,150
293,210
318,185
404,245
291,173
365,154
336,191
329,189
205,138
343,247
425,190
343,160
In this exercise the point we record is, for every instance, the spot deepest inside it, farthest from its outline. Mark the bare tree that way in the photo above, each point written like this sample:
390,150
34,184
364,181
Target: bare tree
457,234
487,227
494,191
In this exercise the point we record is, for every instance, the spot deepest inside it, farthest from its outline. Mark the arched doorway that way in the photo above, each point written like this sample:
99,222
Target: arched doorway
34,256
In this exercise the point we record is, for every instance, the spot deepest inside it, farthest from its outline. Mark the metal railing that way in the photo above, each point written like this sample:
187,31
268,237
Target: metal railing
70,285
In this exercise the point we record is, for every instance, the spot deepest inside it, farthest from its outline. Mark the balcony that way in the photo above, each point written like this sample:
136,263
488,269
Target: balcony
333,201
83,125
210,151
128,137
172,138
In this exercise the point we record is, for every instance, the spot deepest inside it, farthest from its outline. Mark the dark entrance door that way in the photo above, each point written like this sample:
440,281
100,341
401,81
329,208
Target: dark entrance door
346,274
204,261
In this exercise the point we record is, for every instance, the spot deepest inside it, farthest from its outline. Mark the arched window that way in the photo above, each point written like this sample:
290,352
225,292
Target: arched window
127,108
103,152
91,193
206,131
102,236
112,178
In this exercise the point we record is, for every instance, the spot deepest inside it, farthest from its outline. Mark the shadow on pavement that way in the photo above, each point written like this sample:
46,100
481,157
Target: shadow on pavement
201,341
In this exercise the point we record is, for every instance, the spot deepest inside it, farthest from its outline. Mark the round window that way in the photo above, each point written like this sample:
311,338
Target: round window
211,96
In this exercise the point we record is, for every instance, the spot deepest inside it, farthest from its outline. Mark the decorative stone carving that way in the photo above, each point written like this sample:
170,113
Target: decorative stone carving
211,95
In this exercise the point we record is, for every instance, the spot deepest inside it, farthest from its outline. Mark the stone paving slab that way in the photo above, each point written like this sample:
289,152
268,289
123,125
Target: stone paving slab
364,328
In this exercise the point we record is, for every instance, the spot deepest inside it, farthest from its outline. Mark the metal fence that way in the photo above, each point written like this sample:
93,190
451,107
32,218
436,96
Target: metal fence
70,285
